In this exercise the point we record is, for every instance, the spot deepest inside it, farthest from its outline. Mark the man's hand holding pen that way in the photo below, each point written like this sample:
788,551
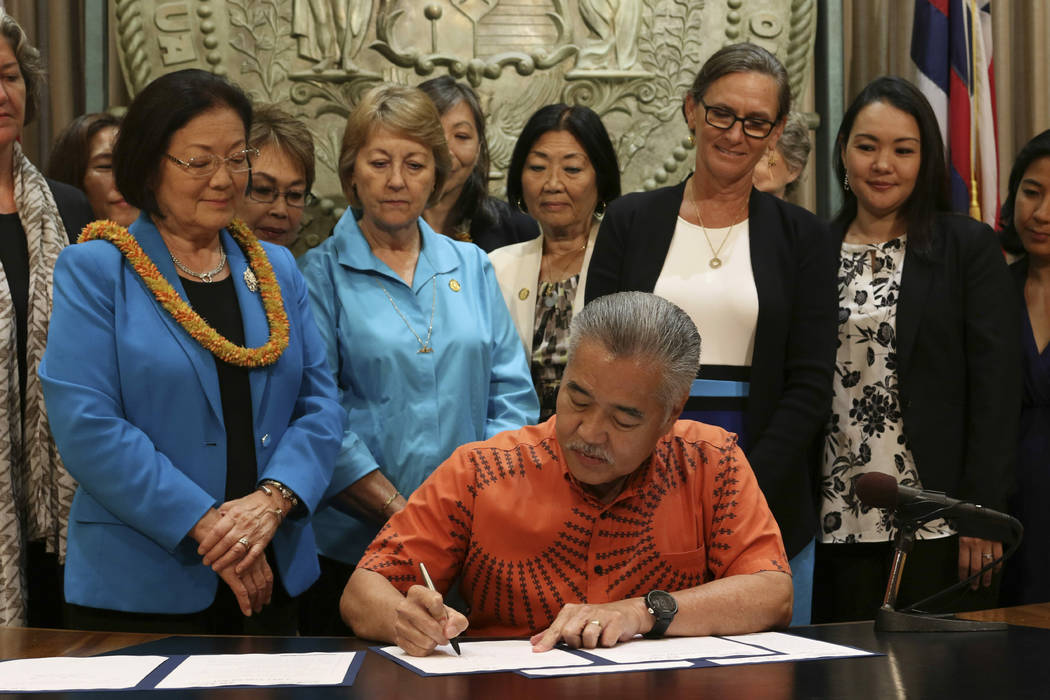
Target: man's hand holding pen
425,622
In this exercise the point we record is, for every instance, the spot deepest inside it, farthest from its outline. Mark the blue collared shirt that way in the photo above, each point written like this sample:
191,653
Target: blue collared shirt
407,411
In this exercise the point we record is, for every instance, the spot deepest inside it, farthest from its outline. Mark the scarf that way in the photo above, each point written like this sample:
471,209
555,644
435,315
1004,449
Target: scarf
35,489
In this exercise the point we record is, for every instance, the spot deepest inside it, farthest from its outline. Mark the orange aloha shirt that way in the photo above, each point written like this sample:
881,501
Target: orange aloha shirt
506,516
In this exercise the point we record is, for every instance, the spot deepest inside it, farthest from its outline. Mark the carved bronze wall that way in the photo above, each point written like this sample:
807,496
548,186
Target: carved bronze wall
629,60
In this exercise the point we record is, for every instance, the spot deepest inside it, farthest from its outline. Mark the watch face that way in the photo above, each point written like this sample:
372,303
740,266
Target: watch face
661,603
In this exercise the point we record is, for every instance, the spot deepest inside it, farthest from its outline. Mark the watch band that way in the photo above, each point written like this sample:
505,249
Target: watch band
663,607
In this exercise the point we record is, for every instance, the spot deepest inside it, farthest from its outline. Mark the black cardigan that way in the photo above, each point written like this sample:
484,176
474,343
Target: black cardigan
958,361
791,370
510,226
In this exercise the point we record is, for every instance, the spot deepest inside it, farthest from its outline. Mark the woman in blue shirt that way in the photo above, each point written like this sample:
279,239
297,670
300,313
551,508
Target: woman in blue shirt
424,352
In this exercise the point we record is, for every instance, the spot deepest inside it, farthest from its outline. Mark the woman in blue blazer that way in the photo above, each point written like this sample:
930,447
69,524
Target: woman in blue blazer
202,434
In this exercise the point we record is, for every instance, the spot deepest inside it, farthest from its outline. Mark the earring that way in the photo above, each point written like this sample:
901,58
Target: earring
521,206
772,158
692,139
845,181
599,211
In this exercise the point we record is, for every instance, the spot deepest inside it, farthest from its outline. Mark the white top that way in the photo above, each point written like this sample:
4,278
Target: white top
723,301
866,429
518,273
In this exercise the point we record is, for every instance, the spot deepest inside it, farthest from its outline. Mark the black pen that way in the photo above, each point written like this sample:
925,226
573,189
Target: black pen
430,585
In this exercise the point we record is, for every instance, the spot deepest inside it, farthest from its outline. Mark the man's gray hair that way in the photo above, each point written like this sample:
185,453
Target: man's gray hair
638,324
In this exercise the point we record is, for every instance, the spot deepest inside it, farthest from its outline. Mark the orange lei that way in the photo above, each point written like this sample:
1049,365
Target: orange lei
189,319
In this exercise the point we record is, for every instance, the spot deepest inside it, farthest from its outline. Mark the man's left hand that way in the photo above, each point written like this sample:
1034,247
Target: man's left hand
590,626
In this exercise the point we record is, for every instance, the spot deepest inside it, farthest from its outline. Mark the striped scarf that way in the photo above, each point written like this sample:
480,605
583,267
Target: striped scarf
35,489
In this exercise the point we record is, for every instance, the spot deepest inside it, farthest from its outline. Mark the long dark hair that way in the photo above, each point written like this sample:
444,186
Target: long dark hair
930,195
70,153
584,124
1038,147
473,203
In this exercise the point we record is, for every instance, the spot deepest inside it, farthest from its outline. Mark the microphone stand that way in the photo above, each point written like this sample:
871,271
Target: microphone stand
889,619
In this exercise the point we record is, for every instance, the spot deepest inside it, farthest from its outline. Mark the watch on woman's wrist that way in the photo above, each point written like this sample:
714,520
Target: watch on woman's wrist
663,607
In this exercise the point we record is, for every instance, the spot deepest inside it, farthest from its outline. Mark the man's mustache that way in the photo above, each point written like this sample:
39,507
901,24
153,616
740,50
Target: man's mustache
590,450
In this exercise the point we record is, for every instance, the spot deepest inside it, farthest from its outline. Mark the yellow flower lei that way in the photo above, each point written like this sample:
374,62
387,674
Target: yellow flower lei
189,319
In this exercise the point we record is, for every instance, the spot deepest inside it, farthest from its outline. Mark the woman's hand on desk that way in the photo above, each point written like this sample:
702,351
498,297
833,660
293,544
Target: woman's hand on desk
423,622
252,519
590,626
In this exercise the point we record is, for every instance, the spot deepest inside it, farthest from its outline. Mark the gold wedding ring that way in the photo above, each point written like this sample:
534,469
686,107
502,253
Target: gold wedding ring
244,541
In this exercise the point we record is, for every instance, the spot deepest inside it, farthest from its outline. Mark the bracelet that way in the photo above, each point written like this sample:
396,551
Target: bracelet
286,492
277,513
390,500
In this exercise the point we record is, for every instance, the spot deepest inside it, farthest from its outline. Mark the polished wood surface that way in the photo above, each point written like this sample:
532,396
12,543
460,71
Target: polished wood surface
1008,664
1035,615
30,643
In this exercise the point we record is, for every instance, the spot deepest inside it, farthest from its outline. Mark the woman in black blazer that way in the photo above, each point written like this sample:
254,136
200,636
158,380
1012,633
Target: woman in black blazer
927,387
755,274
1025,232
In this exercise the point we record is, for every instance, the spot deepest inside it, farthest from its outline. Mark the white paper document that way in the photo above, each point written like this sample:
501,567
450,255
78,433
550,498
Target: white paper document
791,648
213,670
477,657
640,650
74,673
613,668
636,655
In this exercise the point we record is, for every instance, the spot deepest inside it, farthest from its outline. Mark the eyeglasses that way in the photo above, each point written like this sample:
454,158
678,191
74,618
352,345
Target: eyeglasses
293,198
205,166
724,119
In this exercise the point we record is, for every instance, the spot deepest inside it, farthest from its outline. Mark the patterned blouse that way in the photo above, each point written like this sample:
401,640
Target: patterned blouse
550,342
866,428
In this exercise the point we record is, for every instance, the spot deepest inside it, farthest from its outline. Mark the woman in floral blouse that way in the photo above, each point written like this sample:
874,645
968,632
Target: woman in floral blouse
926,387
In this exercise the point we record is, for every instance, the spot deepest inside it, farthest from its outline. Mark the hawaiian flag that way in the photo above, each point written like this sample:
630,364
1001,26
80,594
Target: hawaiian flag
951,43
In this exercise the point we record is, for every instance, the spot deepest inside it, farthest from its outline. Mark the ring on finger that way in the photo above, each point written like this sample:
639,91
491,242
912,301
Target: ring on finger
244,541
596,622
988,556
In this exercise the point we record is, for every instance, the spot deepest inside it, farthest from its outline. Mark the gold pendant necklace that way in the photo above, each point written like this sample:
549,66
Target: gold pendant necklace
715,262
424,345
548,288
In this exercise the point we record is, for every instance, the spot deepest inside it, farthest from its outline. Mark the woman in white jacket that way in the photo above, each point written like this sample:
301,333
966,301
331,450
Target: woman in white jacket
563,173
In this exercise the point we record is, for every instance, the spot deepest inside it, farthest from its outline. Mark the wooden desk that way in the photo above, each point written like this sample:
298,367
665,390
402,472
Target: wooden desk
1010,664
1036,615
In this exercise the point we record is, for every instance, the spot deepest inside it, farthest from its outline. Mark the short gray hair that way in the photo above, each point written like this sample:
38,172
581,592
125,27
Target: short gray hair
794,145
638,324
29,63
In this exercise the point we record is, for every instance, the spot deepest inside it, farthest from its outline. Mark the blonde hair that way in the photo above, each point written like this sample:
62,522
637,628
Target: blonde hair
405,110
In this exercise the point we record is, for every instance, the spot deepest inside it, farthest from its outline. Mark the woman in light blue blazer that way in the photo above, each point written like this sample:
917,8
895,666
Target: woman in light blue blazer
187,390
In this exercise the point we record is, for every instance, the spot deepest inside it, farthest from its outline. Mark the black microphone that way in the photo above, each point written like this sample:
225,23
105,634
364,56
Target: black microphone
882,491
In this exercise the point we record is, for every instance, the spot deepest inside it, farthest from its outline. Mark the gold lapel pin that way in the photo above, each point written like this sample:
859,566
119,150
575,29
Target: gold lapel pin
523,294
454,285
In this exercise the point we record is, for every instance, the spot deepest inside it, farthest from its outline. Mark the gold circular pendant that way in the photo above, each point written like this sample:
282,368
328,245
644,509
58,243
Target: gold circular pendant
715,263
